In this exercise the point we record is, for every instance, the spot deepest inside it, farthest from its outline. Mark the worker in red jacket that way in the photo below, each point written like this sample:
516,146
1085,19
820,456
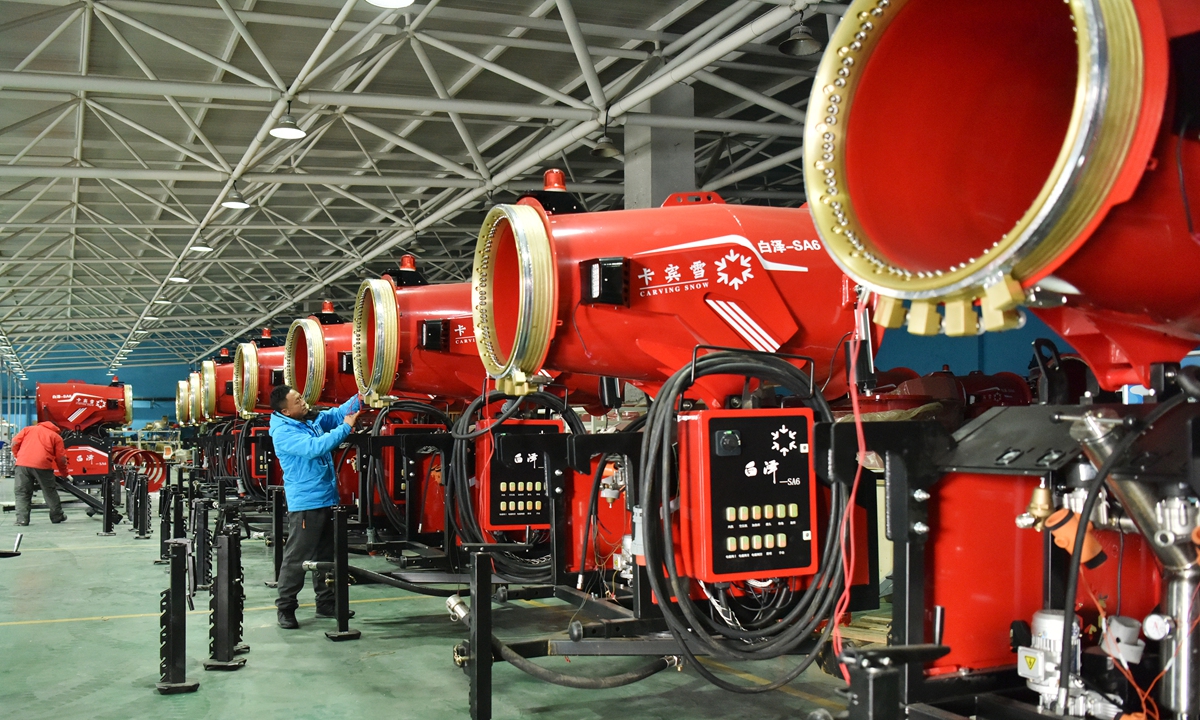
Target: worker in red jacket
36,450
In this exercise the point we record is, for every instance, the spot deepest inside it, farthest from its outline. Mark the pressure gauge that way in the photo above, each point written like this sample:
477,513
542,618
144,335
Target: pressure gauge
1158,627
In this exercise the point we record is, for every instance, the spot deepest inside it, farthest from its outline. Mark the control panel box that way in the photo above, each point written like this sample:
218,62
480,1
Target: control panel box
747,494
513,494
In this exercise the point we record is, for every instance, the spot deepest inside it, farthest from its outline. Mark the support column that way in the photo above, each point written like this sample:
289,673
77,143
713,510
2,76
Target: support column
660,161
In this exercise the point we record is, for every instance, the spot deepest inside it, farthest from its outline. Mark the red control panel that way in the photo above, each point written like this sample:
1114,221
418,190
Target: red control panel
747,494
512,494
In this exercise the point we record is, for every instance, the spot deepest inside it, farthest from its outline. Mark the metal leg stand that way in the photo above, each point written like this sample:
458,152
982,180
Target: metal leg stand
479,660
341,576
278,513
172,665
141,508
202,542
164,525
106,494
226,603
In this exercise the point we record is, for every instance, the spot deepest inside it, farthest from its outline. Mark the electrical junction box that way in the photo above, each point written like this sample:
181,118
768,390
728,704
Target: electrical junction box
747,494
513,494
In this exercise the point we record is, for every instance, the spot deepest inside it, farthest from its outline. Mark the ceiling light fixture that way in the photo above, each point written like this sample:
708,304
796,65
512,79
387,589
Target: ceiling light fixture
162,302
204,248
177,279
234,200
150,318
286,128
800,43
605,147
390,4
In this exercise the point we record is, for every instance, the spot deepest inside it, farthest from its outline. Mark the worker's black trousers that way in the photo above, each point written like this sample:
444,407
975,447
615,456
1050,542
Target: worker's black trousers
310,537
27,481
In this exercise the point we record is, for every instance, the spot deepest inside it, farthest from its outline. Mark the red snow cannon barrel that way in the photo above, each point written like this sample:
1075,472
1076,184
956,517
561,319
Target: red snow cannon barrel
631,293
415,339
1034,152
80,406
216,387
317,358
257,368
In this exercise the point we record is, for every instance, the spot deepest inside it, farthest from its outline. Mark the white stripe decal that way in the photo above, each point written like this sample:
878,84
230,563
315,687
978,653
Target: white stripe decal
737,325
763,334
762,340
735,240
76,414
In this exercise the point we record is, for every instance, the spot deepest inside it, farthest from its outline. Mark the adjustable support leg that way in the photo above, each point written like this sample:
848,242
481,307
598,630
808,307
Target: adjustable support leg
341,577
479,659
278,513
106,494
164,525
226,604
172,664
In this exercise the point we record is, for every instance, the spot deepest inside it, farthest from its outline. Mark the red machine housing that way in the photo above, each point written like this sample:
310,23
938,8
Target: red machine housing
986,572
631,293
80,406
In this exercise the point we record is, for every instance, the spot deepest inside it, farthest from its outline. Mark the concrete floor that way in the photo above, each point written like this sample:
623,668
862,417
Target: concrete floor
79,639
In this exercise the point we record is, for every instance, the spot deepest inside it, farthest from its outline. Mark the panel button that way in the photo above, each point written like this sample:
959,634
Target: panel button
781,540
538,487
503,506
731,544
781,511
756,512
521,506
744,542
730,514
520,487
538,506
793,510
756,542
503,487
769,541
743,513
769,511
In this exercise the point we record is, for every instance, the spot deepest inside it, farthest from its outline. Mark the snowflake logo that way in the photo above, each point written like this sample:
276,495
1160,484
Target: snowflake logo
783,440
460,329
734,269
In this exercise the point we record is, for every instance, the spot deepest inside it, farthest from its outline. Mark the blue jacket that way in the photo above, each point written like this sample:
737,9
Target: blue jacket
303,449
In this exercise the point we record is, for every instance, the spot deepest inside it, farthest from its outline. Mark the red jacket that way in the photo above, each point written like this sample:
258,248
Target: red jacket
40,446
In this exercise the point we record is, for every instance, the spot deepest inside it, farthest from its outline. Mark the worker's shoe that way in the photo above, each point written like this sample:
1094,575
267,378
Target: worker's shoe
21,523
330,612
287,619
62,519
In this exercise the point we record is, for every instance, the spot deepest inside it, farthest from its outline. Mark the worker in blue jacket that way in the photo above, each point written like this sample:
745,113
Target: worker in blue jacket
303,442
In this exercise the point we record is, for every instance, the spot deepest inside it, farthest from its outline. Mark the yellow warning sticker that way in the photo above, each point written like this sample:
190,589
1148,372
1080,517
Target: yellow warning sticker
1030,661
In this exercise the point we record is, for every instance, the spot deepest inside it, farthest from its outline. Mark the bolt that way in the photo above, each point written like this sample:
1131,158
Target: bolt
558,491
920,528
558,473
920,495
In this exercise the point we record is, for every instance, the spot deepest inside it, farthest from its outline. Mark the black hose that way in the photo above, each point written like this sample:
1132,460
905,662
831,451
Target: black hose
576,681
1093,495
404,584
374,468
686,623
